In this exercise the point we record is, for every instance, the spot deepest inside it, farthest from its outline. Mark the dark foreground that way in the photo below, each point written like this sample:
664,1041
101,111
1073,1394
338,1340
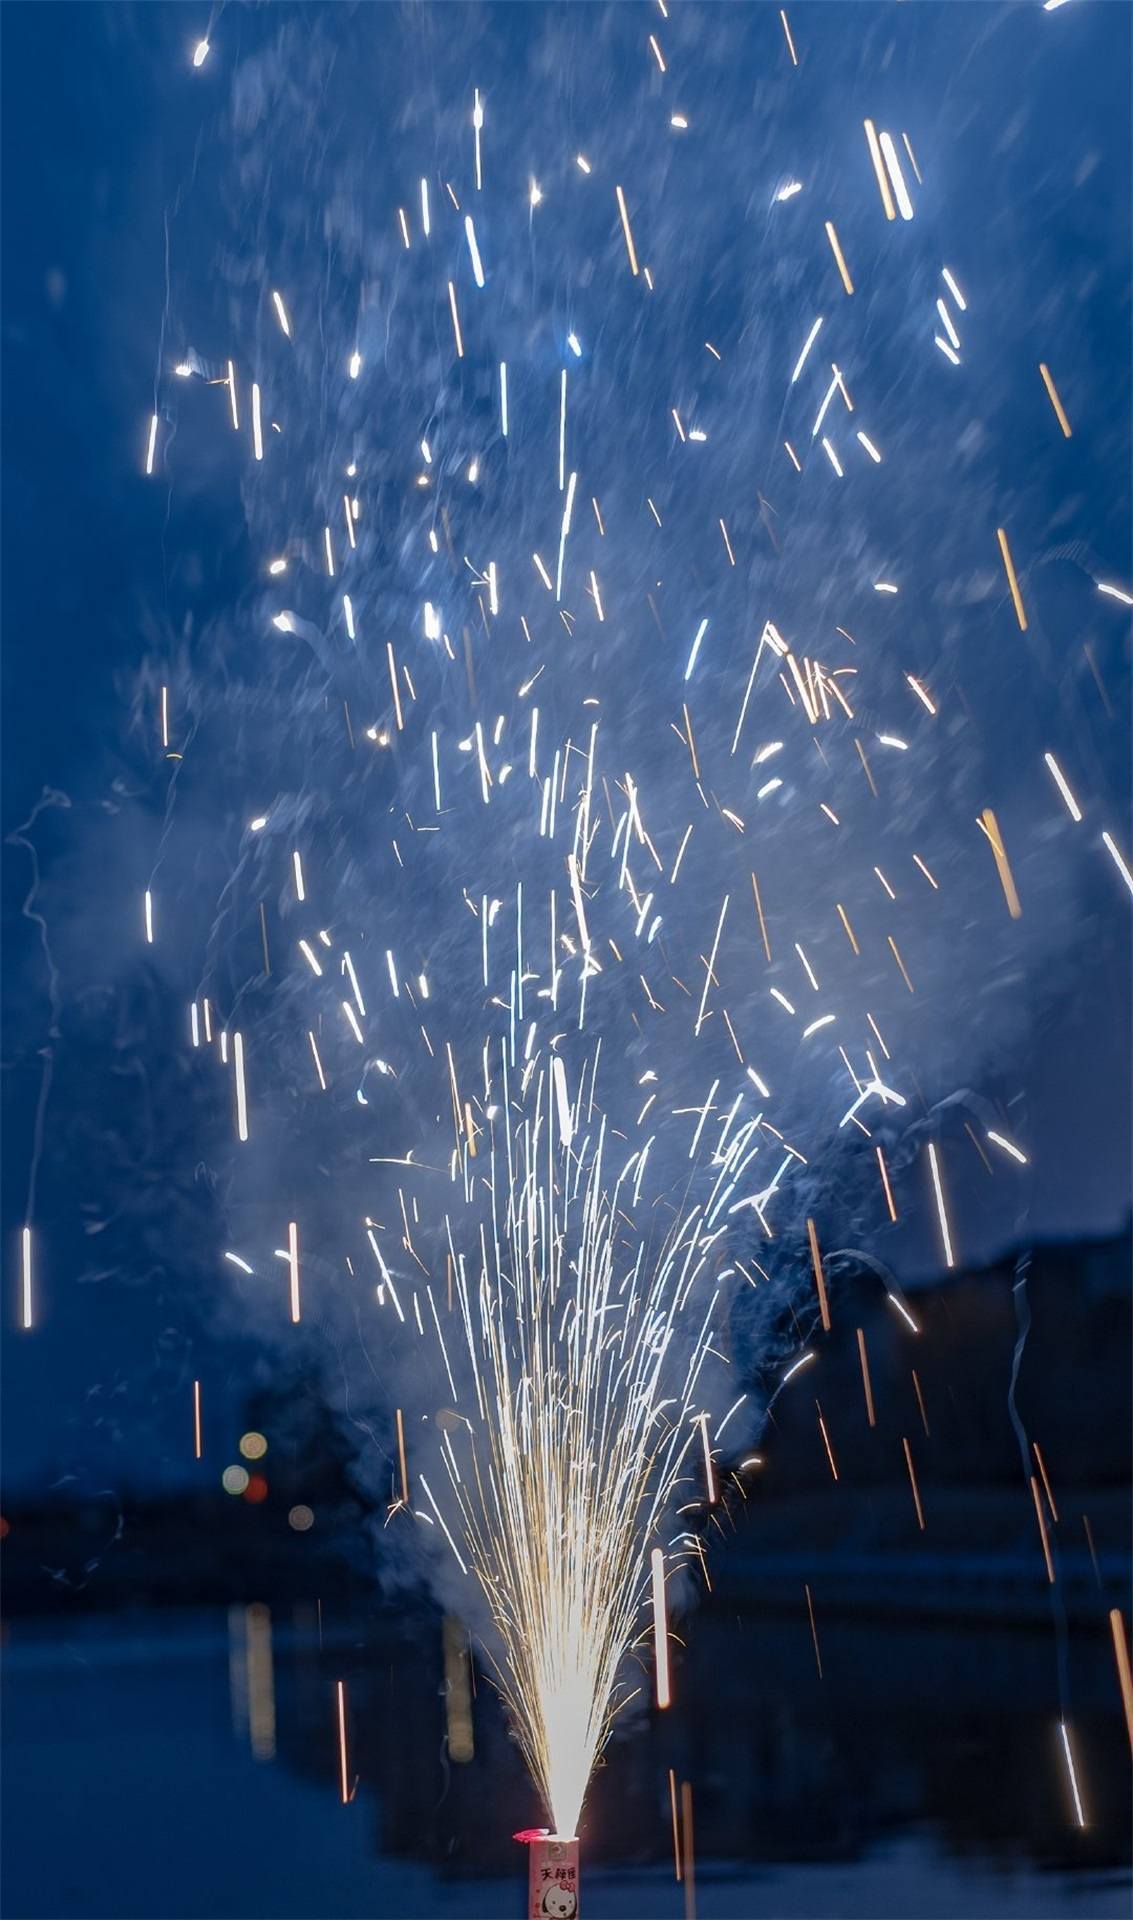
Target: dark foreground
187,1765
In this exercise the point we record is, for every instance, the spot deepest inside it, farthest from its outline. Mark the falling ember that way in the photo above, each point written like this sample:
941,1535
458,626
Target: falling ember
762,921
990,826
904,1312
712,1491
819,1277
1124,1673
826,1441
25,1280
630,249
839,257
1043,1535
892,944
913,1483
1055,401
879,169
695,649
343,1777
1072,1772
477,127
676,1825
293,1267
884,1171
813,1629
941,1213
950,282
458,336
660,1628
866,1384
1060,781
896,177
402,1462
1012,578
241,1092
1041,1464
849,931
1118,859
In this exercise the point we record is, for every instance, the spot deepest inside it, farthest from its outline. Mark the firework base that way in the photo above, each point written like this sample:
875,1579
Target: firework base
552,1875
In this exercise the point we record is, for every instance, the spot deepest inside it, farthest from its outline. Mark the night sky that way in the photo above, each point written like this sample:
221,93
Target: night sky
141,198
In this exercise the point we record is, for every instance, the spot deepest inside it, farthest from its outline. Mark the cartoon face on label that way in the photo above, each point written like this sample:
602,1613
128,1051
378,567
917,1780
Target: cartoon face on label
560,1903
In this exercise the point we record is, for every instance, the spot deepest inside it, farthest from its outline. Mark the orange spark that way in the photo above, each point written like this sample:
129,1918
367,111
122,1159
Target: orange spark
913,1483
1012,579
870,1414
819,1278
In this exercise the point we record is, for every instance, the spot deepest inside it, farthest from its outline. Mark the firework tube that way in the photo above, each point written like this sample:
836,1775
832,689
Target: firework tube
552,1874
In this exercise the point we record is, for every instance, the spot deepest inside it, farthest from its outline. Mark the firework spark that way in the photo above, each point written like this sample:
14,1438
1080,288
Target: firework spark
586,1402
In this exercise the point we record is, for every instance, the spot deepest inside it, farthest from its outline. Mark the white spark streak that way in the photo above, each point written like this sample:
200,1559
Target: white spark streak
1061,783
25,1280
241,1090
807,345
695,649
945,1234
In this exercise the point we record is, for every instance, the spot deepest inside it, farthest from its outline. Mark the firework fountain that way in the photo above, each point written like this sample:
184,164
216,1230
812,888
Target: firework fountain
569,849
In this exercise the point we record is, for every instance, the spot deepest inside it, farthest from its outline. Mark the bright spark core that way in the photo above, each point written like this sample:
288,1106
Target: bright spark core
561,1556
